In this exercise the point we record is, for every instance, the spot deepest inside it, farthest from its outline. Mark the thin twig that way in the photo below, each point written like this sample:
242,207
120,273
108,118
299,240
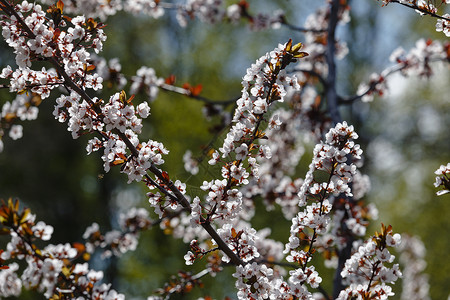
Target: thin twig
185,92
423,10
384,74
313,73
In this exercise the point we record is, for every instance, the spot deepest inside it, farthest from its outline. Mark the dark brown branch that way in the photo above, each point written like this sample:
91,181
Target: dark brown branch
422,10
174,89
331,95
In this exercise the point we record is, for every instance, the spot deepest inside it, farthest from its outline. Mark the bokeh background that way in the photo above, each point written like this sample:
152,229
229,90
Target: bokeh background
405,136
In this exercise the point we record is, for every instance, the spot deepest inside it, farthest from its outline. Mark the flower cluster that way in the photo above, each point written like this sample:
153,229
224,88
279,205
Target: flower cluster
423,7
109,71
332,156
208,11
335,157
51,270
37,35
147,82
369,265
412,259
444,25
316,39
417,62
24,107
33,35
116,117
10,284
265,82
162,202
241,242
254,281
443,179
117,242
375,86
260,21
151,8
190,164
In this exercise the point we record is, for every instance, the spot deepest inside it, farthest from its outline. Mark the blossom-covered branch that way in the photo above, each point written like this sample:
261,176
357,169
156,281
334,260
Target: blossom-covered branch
427,7
443,179
368,271
117,121
418,61
55,270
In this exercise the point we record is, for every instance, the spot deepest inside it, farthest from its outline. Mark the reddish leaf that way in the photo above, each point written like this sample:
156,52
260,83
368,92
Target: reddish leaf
90,68
36,100
131,99
170,80
9,117
243,4
196,90
79,246
60,5
91,24
165,175
117,162
56,34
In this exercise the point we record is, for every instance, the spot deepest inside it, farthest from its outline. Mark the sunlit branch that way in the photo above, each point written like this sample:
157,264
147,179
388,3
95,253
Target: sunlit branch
383,75
185,92
387,72
421,9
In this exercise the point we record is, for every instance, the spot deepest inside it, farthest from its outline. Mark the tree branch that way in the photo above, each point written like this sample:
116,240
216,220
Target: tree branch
171,88
331,94
134,152
422,10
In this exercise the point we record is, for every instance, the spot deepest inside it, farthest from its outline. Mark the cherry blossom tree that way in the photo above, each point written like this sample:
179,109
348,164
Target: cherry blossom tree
288,96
